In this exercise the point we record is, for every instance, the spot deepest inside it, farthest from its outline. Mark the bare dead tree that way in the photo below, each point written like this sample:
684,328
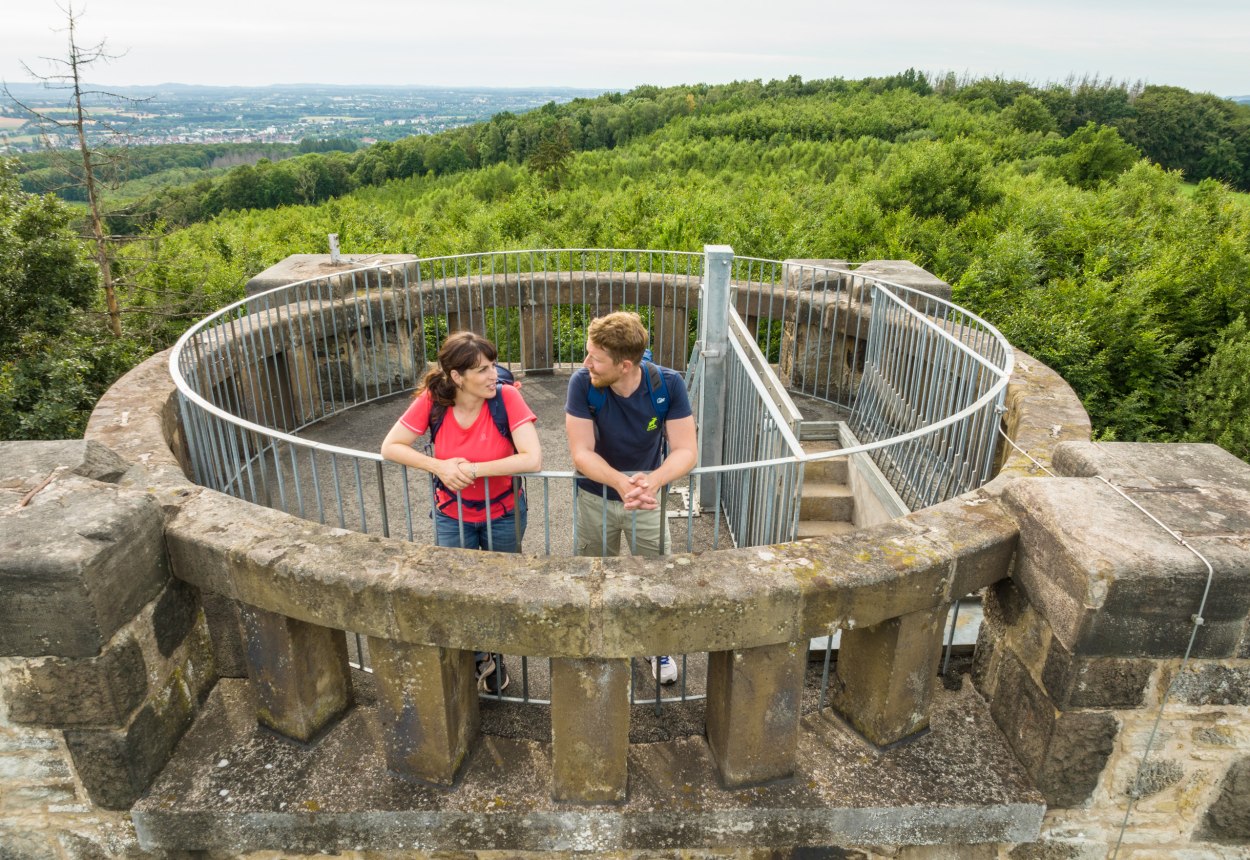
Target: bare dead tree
68,74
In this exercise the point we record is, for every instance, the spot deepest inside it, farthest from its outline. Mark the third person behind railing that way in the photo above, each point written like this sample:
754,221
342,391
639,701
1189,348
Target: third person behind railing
482,434
620,410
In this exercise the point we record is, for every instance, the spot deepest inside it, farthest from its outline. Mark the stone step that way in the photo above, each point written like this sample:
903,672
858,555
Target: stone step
823,528
826,501
835,470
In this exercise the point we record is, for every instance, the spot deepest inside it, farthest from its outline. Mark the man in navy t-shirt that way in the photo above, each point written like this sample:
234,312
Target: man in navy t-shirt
620,447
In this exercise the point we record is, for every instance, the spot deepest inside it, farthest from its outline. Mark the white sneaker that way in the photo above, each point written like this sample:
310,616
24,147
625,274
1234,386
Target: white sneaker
667,671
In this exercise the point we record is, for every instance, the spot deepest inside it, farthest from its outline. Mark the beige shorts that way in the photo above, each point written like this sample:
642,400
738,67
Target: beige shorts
642,530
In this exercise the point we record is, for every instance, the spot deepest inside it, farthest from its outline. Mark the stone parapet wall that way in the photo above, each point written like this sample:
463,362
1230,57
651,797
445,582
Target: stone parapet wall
104,658
1090,656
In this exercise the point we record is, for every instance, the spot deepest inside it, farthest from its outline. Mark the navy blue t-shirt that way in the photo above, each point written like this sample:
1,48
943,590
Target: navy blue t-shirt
629,437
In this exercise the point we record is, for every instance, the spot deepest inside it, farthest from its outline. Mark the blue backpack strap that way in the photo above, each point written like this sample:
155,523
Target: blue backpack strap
658,389
499,413
595,398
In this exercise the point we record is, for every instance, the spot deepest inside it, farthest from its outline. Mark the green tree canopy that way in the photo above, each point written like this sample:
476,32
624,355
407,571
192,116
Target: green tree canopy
1219,400
55,359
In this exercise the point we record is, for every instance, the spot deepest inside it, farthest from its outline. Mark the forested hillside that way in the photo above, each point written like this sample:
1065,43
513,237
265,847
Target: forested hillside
1037,204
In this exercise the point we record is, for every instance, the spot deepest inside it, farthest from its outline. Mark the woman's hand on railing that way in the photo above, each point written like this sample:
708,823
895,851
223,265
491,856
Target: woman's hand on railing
455,473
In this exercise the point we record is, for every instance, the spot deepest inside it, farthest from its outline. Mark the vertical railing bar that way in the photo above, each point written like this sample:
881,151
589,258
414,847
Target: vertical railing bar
321,507
338,489
404,268
386,335
386,526
824,675
547,516
335,309
403,474
295,479
360,339
277,471
274,320
689,513
360,495
490,532
950,641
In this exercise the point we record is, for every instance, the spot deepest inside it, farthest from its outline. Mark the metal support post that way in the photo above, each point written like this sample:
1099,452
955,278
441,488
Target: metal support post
714,341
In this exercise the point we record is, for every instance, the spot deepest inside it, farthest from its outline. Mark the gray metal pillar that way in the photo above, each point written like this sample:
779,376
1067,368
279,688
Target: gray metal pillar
714,342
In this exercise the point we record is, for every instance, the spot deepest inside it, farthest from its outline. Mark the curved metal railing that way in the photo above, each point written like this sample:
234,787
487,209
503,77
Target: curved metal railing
919,381
918,378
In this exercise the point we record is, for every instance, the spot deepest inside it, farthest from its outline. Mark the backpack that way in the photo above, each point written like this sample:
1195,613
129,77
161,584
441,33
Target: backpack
657,388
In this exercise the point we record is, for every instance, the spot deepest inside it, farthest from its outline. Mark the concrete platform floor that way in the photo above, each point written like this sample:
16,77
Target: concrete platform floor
234,787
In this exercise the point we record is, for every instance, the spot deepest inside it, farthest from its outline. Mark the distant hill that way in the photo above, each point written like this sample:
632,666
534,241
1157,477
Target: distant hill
1245,100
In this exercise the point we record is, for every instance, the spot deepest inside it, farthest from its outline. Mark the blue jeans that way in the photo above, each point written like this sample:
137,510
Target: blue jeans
504,533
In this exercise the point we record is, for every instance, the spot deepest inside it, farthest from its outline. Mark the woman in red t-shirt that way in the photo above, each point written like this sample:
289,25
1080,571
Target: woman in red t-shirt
470,457
469,453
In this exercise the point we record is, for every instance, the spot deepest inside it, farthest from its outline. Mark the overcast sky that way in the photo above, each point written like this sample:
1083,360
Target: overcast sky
1202,45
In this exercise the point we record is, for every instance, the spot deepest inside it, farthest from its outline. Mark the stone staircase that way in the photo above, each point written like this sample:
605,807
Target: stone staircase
828,506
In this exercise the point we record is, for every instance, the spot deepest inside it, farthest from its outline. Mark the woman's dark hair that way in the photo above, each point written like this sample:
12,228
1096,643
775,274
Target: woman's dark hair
461,351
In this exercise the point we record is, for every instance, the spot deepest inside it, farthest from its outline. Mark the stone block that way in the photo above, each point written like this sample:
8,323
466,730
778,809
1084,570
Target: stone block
32,768
28,463
984,670
1153,777
713,599
40,798
908,274
1211,684
589,730
1079,747
76,563
1064,752
117,765
887,673
174,615
1023,712
753,707
427,708
1060,849
1228,818
300,672
22,843
1112,583
222,615
1095,682
301,267
63,693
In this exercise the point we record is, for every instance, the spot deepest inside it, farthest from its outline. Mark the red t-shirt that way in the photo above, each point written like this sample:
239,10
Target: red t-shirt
481,442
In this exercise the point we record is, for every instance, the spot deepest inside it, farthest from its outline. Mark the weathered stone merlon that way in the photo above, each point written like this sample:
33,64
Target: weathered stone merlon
1111,582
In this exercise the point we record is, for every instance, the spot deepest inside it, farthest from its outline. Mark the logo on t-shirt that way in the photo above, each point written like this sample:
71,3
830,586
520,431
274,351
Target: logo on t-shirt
652,424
